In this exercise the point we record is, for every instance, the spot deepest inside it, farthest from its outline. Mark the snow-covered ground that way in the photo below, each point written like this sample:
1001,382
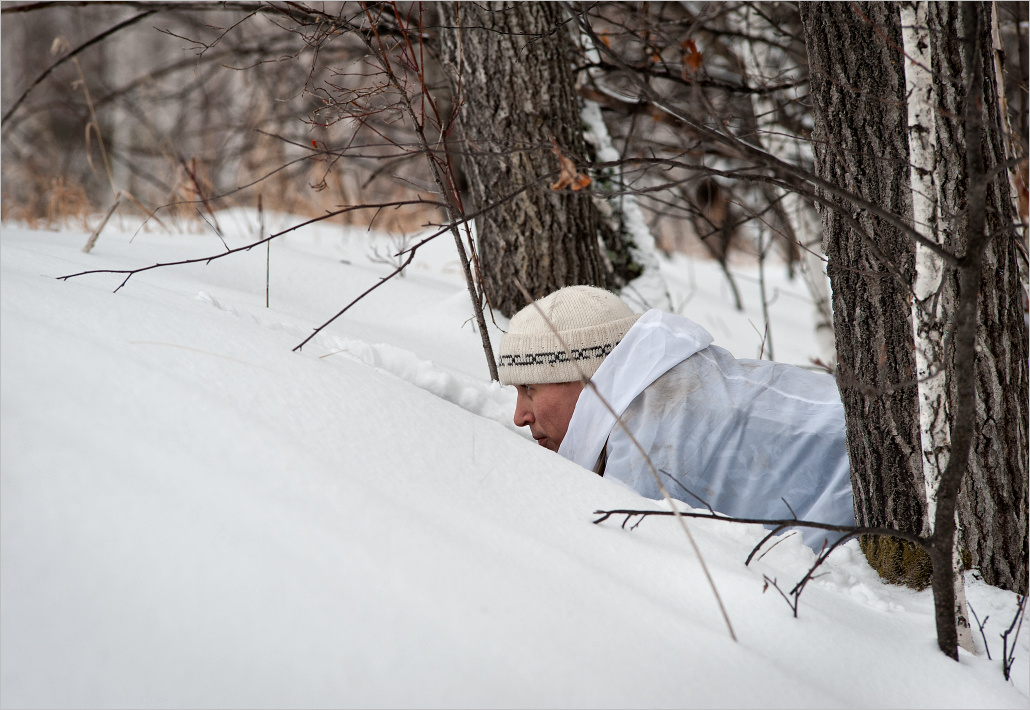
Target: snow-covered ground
194,515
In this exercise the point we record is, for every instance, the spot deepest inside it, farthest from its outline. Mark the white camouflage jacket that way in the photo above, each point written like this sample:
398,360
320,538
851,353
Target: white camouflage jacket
741,436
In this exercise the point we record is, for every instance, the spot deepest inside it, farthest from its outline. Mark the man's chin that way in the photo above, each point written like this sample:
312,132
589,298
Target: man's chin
548,444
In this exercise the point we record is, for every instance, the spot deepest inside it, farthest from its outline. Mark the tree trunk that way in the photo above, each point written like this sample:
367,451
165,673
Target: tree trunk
928,325
511,68
859,106
858,97
993,500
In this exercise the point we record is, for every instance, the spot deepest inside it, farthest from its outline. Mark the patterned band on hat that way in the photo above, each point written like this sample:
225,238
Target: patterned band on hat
551,358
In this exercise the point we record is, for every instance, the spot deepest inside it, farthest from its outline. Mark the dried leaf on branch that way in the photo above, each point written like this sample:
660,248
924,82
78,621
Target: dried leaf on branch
569,177
692,58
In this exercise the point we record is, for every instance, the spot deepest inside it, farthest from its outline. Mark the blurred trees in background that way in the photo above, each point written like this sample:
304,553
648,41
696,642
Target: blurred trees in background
200,99
192,103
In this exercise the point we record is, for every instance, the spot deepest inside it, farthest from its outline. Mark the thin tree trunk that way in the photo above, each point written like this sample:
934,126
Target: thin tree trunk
795,217
928,326
631,247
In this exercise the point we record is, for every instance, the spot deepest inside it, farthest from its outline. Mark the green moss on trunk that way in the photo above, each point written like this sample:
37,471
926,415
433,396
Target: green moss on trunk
898,561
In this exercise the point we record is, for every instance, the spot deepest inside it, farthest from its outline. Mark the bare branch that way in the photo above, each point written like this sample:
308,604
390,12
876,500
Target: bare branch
783,168
1009,654
247,247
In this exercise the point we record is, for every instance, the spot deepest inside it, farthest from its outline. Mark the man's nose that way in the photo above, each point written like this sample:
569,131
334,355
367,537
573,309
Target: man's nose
523,415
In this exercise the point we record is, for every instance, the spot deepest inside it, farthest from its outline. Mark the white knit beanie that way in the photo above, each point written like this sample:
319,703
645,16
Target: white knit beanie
591,321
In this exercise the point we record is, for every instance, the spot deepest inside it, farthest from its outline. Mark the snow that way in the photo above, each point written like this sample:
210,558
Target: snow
193,515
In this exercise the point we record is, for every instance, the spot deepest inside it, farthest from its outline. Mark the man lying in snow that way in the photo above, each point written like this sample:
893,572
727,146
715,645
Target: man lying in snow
741,436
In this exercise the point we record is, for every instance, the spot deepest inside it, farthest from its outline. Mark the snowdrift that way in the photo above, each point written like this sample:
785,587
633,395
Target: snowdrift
194,515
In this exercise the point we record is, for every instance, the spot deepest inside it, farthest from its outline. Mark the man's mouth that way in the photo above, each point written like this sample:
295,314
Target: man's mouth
540,439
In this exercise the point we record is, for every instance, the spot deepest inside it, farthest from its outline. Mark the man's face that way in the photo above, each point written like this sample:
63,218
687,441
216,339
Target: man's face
547,409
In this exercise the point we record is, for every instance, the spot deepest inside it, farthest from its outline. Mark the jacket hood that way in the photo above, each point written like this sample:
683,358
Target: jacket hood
657,342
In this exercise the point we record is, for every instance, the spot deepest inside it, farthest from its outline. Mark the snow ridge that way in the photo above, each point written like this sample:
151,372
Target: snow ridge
490,400
485,399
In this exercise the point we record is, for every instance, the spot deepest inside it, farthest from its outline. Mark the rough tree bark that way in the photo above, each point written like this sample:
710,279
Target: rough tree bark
858,97
511,69
859,106
993,499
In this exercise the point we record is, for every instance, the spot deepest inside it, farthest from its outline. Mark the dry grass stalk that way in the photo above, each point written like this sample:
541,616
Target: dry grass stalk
588,383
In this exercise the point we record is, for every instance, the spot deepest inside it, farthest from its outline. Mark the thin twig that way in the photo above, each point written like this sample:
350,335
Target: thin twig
1008,658
384,279
781,523
772,583
216,230
91,242
268,248
981,625
246,247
